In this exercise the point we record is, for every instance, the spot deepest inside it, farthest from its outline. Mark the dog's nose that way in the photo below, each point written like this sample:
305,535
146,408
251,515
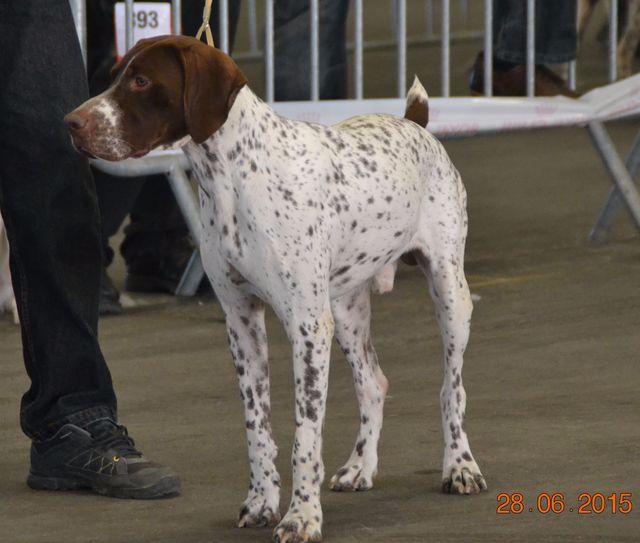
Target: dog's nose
75,121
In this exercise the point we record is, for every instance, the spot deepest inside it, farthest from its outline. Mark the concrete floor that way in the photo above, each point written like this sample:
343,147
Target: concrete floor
552,374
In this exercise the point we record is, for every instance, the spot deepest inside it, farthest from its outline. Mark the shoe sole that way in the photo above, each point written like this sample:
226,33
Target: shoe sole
165,488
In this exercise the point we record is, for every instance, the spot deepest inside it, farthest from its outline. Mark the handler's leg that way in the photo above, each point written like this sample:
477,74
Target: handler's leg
48,202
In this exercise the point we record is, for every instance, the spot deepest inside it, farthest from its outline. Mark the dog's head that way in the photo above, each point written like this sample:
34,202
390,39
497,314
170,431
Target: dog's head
163,89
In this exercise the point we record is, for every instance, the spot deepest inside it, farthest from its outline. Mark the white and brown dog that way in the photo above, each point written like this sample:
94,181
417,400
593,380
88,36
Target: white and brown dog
305,218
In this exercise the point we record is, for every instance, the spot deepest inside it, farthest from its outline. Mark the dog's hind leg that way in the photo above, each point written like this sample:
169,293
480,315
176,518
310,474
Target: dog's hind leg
451,296
352,314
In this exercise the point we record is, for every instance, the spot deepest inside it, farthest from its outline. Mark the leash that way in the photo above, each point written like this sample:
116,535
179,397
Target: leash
206,27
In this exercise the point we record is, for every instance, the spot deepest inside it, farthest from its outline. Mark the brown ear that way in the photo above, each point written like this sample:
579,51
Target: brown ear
139,46
211,83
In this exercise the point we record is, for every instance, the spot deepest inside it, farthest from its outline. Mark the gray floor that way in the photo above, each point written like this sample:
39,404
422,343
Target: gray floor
552,375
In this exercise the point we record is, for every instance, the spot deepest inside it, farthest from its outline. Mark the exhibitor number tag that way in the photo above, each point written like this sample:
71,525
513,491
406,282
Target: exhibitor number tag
149,19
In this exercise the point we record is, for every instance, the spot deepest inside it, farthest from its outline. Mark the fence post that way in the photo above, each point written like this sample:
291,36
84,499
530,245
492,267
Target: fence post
315,50
358,75
446,44
268,51
488,48
128,23
531,47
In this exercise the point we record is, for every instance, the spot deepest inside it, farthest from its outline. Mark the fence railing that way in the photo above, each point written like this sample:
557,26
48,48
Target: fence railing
449,116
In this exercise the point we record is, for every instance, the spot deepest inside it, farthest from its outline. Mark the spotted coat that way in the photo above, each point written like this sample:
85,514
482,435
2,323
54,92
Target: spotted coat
307,219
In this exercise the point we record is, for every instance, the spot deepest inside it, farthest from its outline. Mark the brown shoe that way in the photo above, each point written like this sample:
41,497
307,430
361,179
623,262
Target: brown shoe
513,81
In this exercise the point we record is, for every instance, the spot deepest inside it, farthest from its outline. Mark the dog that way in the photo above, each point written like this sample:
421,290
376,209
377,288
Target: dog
305,218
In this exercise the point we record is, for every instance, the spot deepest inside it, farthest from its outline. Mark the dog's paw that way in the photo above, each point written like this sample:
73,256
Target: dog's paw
295,529
352,477
464,480
255,512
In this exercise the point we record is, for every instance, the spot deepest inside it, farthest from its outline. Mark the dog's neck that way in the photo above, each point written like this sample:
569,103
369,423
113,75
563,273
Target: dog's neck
227,164
242,137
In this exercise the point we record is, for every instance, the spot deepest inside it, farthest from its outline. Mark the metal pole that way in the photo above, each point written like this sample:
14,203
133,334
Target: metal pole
253,26
402,47
429,17
186,200
531,47
394,18
176,16
446,46
224,25
488,47
464,10
128,23
79,11
315,51
358,52
191,277
573,75
617,170
268,59
613,40
614,201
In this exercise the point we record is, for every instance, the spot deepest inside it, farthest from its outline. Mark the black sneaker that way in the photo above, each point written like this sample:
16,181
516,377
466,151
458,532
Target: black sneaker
101,457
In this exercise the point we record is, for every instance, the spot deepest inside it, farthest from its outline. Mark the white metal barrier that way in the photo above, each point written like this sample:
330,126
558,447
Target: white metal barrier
449,117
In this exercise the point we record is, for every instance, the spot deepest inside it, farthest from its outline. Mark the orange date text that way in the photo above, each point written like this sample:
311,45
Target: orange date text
585,503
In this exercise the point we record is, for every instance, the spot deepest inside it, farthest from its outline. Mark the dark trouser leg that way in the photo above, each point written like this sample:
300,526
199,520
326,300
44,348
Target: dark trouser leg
48,201
116,196
293,48
556,36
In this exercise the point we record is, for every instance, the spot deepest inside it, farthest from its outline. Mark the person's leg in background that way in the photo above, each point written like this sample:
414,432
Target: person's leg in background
48,202
555,42
157,244
292,29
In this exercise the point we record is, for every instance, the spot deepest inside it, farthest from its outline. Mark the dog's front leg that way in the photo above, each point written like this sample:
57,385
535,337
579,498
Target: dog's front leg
311,339
248,342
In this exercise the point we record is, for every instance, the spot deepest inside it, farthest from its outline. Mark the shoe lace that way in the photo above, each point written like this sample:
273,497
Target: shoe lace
116,437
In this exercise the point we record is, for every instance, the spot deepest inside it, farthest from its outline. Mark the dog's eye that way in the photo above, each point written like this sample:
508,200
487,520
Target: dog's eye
140,82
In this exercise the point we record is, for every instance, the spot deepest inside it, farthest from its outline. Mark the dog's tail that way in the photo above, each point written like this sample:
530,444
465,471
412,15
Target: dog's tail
417,109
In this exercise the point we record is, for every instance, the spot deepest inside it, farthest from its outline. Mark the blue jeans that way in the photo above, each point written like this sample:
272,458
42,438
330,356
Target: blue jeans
48,201
556,35
292,30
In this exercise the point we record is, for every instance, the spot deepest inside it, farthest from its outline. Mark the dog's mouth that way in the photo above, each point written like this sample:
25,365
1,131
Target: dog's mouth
89,151
82,149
